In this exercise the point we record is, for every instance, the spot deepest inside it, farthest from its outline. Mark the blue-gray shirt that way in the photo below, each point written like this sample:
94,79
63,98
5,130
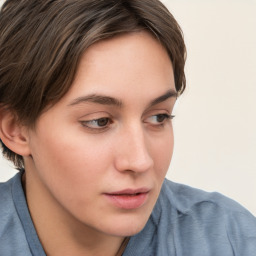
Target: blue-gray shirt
185,222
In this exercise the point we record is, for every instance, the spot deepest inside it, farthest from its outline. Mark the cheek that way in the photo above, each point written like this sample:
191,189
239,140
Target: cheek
73,161
69,169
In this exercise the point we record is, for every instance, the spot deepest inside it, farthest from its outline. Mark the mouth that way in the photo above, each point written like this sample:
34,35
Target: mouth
129,198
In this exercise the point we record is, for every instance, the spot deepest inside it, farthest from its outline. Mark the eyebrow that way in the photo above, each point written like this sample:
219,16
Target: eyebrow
107,100
169,94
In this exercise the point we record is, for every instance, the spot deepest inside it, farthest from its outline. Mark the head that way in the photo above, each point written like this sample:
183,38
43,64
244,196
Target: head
82,54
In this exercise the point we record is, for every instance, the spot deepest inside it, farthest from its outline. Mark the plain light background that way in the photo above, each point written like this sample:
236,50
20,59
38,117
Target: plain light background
215,123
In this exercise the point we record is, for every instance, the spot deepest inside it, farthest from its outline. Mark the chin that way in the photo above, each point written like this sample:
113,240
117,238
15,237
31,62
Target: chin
127,226
126,232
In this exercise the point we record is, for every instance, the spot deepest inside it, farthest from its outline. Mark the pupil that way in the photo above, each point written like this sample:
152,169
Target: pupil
160,118
103,121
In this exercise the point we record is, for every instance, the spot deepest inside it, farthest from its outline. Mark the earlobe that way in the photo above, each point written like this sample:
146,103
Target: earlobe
13,134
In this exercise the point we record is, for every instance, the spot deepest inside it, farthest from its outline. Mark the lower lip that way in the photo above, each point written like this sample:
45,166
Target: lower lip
128,201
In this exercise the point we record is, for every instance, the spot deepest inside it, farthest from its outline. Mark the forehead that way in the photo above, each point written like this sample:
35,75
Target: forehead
126,67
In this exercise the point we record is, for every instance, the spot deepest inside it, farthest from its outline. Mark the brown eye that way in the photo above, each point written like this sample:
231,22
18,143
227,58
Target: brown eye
102,121
97,124
161,117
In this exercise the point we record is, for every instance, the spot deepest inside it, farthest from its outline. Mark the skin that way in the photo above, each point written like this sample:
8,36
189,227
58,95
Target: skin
85,146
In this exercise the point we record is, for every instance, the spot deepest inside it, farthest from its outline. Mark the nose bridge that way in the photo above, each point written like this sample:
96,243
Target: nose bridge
133,150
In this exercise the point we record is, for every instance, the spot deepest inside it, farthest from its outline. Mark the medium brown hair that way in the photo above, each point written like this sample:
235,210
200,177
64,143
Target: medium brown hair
42,41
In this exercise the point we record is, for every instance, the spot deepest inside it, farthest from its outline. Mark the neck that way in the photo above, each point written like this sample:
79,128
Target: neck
59,232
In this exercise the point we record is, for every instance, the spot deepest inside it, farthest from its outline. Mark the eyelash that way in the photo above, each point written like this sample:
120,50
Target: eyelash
107,121
165,116
87,124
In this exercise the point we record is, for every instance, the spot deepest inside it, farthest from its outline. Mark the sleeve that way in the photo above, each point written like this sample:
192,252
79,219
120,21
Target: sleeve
241,231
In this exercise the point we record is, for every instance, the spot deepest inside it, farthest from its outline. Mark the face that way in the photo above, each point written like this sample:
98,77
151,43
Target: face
101,153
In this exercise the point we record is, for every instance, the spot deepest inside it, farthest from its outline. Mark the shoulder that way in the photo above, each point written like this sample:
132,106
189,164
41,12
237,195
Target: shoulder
222,225
12,236
6,203
185,198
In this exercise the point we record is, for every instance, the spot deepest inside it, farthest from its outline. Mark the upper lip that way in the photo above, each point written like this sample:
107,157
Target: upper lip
129,191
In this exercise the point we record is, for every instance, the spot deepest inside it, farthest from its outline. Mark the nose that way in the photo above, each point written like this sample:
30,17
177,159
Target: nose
132,151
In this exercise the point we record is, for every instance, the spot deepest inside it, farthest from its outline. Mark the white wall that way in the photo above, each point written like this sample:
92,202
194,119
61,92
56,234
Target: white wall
215,124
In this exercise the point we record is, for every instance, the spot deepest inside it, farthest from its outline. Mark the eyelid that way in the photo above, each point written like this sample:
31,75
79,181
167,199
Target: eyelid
96,129
164,115
89,121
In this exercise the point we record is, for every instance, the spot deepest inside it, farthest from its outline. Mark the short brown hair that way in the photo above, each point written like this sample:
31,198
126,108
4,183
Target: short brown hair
41,43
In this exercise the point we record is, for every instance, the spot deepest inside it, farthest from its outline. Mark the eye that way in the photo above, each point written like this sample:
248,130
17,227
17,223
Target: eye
159,119
99,123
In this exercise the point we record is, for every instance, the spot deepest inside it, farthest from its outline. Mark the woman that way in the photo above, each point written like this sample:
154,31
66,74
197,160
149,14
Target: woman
87,90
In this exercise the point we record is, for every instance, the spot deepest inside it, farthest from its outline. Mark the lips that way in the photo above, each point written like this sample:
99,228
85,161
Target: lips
128,198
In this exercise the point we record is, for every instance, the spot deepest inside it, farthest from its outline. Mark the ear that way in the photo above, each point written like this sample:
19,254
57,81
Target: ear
13,134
